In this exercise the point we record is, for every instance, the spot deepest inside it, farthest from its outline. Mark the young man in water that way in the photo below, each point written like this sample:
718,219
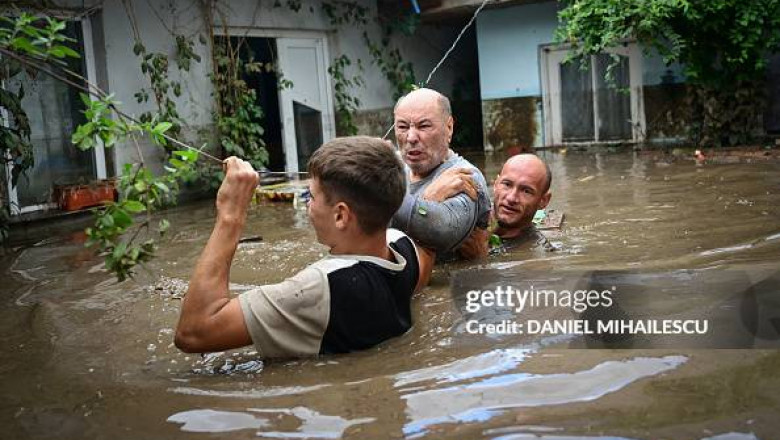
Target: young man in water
431,213
353,299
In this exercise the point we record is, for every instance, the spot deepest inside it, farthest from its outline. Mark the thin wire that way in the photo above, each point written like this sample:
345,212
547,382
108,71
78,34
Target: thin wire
447,53
457,39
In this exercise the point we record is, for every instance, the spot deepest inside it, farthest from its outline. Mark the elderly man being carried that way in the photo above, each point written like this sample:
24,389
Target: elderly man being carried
447,196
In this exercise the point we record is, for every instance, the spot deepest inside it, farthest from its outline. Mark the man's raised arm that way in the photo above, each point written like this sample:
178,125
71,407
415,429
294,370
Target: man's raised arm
210,320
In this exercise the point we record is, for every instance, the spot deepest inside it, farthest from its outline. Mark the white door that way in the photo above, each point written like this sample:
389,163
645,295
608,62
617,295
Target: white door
306,108
579,104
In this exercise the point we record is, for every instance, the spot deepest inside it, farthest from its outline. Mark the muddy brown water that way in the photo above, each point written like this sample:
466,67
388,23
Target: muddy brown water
86,358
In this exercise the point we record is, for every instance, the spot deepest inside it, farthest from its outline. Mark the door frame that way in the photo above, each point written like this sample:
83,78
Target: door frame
328,114
98,149
550,79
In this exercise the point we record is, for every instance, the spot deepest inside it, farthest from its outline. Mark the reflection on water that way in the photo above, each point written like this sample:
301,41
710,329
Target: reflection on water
311,423
208,420
483,398
88,358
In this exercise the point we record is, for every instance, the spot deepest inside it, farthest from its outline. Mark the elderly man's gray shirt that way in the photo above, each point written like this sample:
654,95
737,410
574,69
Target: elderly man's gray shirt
443,226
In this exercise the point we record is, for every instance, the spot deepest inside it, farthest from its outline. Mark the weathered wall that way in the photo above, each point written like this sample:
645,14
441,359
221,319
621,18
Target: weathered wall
512,124
511,86
157,20
664,107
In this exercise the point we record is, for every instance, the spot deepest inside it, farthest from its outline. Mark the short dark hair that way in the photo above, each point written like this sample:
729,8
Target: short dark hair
363,172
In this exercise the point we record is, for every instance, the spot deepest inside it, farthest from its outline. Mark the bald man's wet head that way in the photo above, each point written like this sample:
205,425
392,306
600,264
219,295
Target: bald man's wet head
522,188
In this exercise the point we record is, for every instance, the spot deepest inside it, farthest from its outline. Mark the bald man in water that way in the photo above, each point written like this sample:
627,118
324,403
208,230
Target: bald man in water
522,188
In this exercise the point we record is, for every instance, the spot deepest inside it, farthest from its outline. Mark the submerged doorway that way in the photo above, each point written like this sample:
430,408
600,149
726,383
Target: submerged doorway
264,82
298,117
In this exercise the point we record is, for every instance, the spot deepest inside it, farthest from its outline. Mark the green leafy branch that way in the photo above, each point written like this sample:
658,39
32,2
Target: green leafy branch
346,104
25,41
140,191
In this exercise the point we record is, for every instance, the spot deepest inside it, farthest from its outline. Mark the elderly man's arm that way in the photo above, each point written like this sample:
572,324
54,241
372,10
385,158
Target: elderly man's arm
438,225
443,215
450,183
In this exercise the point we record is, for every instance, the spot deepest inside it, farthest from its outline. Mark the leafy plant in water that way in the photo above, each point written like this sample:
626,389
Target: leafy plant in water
140,191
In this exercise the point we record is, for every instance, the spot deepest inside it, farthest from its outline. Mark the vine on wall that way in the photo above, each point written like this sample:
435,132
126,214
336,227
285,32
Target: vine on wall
346,104
156,67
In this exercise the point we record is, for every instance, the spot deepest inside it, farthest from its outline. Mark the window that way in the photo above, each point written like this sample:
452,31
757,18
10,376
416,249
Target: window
580,106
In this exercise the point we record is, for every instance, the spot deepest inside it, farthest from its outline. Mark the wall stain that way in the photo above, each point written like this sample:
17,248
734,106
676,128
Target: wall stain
512,124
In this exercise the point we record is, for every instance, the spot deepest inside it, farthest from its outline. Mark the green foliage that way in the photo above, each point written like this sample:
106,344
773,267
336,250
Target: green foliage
156,67
39,38
399,73
140,192
722,45
238,116
99,126
345,13
346,104
25,37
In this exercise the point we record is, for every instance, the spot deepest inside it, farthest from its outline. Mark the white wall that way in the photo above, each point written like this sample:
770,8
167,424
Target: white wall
508,40
156,21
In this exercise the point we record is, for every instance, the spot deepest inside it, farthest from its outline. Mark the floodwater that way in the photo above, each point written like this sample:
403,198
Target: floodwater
87,358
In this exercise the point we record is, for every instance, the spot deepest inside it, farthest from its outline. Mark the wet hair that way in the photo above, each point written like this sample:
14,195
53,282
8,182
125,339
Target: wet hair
443,101
363,172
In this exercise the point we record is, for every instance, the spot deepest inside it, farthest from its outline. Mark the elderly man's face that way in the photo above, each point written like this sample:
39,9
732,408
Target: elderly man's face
423,132
519,191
